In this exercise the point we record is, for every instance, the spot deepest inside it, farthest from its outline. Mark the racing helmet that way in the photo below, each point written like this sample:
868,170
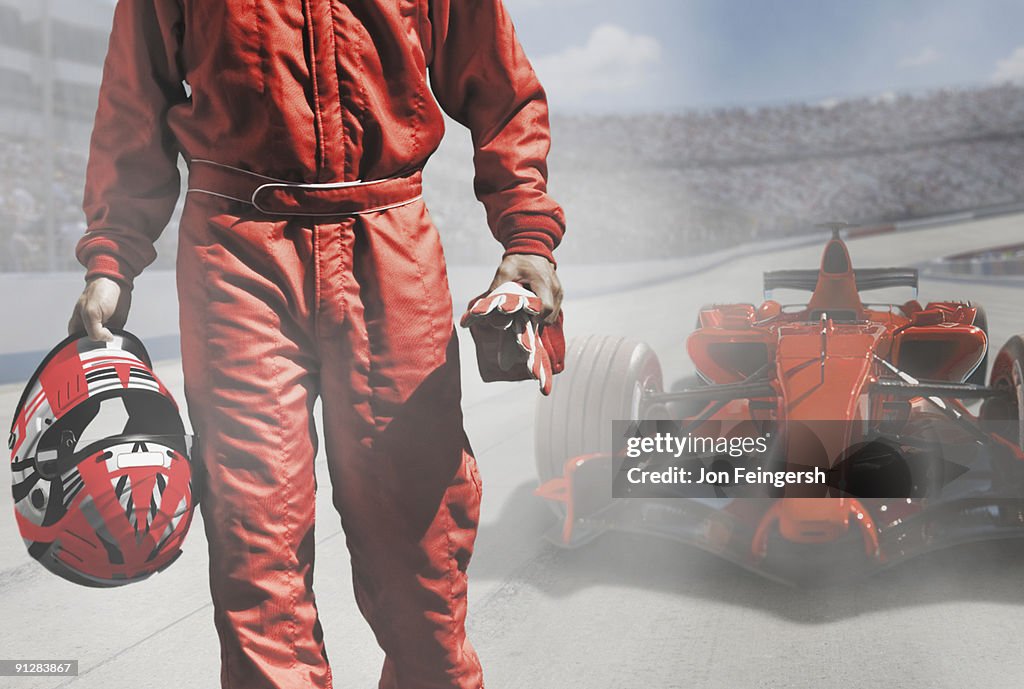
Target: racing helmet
100,463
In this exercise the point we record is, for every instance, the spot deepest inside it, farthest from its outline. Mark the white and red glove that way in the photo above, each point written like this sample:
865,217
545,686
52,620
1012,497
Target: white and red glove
512,340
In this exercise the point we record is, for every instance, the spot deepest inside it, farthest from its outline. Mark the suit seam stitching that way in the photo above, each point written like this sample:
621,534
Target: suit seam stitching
314,79
317,280
287,521
204,259
261,53
333,44
423,286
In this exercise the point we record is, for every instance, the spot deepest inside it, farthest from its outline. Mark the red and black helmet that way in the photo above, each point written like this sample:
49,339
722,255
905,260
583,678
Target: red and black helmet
100,462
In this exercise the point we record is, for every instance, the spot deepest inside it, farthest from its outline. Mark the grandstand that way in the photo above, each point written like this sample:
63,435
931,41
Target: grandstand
52,58
634,187
703,180
78,41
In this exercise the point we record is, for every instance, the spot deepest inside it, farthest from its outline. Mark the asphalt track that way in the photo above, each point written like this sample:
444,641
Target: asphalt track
625,612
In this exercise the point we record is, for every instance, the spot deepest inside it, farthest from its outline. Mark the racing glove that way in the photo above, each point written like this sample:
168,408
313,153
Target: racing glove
512,341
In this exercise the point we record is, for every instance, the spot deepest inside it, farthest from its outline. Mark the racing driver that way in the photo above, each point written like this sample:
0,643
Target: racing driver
308,267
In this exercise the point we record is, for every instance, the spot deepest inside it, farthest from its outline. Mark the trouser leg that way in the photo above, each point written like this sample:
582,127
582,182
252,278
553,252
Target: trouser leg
404,478
244,287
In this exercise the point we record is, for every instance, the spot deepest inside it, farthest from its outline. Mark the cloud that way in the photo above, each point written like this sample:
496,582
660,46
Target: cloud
1010,68
612,61
926,57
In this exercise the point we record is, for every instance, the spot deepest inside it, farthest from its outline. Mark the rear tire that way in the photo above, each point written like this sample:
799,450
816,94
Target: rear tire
1008,375
980,374
605,378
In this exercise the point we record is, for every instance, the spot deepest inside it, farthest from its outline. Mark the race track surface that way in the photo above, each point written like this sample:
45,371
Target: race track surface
625,612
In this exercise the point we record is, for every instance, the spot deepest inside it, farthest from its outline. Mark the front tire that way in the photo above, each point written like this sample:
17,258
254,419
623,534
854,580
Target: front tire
605,379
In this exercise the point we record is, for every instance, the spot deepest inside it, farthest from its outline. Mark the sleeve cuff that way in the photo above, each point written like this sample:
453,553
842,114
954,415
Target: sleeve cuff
525,233
109,266
525,245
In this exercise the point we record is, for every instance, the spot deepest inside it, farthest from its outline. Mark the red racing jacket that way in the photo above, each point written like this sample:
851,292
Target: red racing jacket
310,91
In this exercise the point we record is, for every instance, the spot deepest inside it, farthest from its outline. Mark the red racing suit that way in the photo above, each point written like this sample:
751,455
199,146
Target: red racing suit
279,307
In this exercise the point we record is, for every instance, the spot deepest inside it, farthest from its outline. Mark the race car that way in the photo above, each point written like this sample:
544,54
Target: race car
887,401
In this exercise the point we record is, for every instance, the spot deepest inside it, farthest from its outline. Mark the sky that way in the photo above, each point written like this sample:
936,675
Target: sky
656,55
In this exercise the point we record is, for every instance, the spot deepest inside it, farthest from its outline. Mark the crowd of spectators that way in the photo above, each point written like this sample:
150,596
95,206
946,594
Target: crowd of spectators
644,186
23,199
736,135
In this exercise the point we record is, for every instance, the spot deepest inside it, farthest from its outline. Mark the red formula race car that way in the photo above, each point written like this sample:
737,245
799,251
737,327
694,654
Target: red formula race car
889,401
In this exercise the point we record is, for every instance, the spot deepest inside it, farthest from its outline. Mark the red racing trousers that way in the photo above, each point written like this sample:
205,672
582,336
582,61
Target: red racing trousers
275,312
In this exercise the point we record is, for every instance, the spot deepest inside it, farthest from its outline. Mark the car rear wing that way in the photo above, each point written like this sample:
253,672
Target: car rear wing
867,279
